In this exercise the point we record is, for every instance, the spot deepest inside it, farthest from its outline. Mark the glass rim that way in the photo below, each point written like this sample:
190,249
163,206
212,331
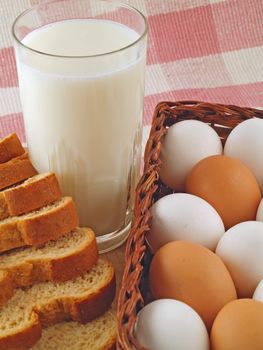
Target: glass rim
129,7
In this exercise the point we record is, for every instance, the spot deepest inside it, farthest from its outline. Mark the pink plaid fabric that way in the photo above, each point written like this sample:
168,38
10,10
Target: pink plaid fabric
208,50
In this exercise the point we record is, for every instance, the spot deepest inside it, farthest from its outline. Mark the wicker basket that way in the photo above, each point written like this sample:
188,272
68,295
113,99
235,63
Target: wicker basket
134,293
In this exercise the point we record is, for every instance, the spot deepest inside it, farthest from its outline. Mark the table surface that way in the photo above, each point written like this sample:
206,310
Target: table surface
117,258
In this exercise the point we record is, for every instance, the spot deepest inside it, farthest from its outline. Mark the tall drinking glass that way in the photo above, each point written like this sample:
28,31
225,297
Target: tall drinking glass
81,71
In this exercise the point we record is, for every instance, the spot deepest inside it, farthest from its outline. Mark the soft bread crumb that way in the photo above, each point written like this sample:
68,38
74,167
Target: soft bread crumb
17,313
52,249
95,335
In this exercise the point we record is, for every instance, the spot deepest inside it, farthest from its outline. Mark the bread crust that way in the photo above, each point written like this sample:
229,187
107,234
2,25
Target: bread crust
10,147
25,338
59,269
39,228
29,196
78,309
52,334
111,344
66,268
86,309
6,287
81,309
16,170
61,309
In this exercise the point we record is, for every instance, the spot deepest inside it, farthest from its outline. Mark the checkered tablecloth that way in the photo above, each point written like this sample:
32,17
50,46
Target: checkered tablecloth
208,50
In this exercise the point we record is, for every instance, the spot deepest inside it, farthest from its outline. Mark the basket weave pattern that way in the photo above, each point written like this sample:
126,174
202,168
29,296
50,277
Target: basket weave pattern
133,293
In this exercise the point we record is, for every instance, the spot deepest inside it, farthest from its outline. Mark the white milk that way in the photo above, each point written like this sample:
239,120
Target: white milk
83,115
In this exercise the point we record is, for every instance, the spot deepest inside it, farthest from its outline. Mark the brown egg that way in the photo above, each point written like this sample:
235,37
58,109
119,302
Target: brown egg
239,326
194,275
228,185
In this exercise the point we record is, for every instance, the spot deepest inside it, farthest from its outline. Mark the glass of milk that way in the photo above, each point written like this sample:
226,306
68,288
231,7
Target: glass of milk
81,67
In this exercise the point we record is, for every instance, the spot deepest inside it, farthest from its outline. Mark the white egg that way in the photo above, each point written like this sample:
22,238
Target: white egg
168,324
241,249
185,144
258,294
245,143
260,211
186,217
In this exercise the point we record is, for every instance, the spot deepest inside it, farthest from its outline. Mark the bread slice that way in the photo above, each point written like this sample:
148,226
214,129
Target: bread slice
99,334
38,227
10,147
61,260
42,305
6,287
16,170
36,192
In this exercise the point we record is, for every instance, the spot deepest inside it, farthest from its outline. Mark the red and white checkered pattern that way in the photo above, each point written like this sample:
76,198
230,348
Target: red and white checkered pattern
208,50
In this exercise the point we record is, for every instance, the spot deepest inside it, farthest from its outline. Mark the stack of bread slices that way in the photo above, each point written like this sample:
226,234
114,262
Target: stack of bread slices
55,292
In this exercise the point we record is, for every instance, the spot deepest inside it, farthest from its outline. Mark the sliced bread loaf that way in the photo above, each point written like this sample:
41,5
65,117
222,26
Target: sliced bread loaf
10,147
44,304
36,192
38,227
16,170
61,260
99,334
